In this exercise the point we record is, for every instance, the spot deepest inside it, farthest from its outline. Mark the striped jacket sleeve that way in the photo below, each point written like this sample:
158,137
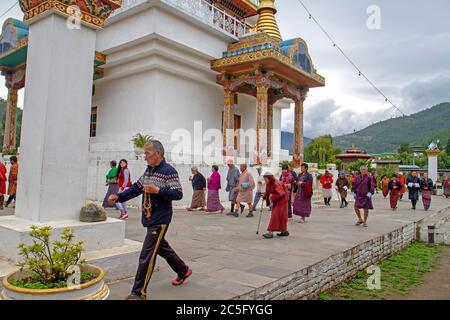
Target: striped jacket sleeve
173,190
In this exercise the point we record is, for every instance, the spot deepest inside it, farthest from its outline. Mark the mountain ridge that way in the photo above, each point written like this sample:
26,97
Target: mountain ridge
386,136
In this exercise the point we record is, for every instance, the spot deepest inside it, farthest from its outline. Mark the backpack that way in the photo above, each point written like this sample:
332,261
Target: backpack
308,189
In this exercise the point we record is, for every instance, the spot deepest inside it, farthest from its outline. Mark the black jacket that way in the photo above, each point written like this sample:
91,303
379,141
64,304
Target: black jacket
166,178
199,182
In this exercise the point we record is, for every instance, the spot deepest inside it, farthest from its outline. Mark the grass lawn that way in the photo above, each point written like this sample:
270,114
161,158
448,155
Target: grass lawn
399,275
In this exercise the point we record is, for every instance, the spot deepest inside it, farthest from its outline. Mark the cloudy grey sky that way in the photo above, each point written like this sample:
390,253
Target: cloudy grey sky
408,58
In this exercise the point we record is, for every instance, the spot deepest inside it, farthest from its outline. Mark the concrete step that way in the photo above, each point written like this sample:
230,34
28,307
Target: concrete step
442,234
7,267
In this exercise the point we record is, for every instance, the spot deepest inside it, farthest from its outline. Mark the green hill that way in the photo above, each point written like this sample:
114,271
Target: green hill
386,136
2,122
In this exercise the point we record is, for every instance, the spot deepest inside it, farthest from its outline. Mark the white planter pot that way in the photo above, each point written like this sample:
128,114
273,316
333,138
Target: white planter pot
95,289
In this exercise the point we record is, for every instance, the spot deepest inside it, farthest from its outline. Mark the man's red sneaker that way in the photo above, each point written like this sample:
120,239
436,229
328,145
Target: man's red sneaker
180,281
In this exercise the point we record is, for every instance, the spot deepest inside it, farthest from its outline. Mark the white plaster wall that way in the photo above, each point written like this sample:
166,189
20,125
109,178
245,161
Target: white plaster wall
169,22
157,80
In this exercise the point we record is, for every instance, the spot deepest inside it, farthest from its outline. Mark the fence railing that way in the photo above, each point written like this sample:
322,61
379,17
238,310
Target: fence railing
202,10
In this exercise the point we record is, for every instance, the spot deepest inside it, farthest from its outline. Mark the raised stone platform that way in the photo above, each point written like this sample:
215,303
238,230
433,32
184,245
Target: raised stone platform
230,262
97,236
105,243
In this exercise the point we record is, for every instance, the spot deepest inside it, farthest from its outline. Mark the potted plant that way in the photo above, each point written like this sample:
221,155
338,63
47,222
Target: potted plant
139,141
54,271
8,152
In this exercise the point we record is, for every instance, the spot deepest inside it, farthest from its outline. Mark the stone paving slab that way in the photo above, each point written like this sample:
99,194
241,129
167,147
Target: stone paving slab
229,259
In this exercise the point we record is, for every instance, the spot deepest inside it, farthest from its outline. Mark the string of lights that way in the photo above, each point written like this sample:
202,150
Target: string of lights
360,73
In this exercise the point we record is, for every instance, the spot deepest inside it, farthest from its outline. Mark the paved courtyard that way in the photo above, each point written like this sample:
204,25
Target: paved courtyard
229,259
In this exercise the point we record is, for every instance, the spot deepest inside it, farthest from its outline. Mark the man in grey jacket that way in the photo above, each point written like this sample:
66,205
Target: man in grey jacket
232,185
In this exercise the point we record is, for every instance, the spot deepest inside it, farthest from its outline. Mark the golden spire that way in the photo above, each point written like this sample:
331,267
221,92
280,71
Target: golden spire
266,20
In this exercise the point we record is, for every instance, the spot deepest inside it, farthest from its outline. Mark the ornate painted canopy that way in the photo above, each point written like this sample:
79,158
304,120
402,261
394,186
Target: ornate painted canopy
288,62
13,44
93,12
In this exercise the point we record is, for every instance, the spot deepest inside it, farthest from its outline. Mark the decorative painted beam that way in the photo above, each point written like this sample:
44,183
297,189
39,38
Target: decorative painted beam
92,12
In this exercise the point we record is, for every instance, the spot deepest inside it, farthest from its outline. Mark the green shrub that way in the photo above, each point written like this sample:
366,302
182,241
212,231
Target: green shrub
49,264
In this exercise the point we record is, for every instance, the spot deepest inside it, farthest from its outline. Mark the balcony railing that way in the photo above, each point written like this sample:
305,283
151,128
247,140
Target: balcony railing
212,15
202,10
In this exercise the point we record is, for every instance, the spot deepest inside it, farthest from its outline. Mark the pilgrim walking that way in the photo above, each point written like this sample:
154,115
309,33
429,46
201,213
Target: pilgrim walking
124,183
364,191
112,183
12,178
394,187
385,185
413,184
289,181
246,186
199,186
232,185
446,187
277,196
427,186
214,185
327,187
303,196
402,180
160,185
260,189
3,180
342,185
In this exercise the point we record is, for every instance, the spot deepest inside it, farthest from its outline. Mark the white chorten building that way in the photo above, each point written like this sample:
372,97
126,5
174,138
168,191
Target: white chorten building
154,74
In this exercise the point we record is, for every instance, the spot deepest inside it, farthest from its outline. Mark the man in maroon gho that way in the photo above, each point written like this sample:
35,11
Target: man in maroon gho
364,190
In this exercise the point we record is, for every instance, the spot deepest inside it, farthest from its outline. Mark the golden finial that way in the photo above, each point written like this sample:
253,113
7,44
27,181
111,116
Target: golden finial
266,20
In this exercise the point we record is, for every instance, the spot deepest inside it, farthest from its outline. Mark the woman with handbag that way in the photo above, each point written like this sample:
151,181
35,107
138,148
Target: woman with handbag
112,183
302,200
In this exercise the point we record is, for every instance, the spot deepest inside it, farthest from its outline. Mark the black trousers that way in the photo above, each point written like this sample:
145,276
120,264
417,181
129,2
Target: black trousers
10,199
155,244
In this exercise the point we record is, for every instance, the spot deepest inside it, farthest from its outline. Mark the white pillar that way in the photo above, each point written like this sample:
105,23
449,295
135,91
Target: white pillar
433,164
55,134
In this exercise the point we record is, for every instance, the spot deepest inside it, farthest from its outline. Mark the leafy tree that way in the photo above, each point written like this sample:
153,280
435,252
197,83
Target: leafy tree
443,161
292,164
356,165
321,151
404,148
389,171
447,148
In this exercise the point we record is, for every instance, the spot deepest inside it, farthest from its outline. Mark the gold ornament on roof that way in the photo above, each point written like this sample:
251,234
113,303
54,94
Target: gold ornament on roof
266,20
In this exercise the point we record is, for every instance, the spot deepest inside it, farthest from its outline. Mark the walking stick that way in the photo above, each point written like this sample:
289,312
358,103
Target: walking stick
260,215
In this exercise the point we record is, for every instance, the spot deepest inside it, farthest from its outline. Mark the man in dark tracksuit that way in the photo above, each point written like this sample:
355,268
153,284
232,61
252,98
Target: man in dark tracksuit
160,185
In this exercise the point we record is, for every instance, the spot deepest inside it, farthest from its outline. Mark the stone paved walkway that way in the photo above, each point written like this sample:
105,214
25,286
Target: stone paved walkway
229,259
